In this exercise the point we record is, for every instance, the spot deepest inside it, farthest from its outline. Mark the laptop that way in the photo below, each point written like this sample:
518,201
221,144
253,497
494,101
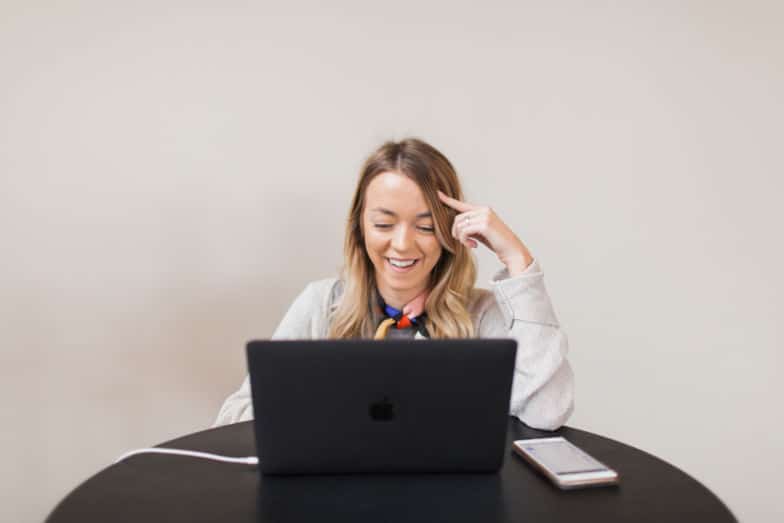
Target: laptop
363,406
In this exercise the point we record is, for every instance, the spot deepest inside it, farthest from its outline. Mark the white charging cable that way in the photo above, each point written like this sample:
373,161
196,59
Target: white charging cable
248,460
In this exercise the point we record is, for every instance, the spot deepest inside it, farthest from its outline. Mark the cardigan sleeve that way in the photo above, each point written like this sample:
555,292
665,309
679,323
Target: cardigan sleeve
296,324
543,385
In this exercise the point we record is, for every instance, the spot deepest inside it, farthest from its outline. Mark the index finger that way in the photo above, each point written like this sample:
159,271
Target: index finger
455,204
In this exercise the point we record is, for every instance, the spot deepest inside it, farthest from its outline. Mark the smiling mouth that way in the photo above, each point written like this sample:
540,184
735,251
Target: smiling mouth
402,265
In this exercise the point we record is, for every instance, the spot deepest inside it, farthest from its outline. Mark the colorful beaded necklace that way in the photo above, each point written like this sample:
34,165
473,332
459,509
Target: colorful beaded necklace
412,315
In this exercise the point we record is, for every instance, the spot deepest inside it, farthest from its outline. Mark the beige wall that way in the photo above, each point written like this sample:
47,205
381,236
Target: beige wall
171,176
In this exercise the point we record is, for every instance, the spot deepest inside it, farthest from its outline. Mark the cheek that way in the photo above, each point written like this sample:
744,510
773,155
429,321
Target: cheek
432,249
374,243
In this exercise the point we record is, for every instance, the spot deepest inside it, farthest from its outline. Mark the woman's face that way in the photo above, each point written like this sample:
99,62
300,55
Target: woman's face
398,229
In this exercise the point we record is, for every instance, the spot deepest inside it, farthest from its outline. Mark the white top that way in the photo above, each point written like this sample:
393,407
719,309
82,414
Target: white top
519,308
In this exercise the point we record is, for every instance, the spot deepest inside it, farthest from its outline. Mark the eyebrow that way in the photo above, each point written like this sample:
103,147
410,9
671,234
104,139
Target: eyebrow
427,214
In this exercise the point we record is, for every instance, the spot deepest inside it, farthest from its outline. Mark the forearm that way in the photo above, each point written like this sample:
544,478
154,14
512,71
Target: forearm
237,407
543,387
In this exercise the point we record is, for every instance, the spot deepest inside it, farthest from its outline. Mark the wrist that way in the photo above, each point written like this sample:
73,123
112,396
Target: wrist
518,263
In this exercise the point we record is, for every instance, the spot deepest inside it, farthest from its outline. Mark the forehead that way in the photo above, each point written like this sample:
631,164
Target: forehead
396,193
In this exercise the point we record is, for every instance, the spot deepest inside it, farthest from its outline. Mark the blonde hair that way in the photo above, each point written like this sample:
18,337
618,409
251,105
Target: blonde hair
454,275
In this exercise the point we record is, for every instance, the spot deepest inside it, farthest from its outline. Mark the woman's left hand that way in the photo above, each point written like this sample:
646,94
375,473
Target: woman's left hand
476,223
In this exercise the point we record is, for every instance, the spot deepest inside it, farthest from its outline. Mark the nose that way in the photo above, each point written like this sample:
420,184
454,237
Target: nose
403,239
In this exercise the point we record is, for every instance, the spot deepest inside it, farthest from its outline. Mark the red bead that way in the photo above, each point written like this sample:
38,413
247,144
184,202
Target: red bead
403,322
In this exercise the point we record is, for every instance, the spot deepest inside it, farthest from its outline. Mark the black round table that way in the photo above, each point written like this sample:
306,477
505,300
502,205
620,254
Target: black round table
154,487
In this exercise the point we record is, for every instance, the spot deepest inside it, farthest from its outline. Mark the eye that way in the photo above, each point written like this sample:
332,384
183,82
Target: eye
382,225
426,229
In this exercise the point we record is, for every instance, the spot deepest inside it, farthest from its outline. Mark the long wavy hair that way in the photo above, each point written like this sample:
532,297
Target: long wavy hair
355,314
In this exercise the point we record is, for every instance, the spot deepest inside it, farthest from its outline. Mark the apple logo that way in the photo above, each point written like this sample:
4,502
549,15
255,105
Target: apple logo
383,410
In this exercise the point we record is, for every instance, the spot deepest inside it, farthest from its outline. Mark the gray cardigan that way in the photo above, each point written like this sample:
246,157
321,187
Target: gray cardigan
515,307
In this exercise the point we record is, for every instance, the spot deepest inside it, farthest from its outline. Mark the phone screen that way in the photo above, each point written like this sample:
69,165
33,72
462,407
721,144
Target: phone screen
562,457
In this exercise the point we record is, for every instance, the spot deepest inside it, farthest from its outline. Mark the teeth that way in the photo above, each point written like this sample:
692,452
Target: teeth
401,264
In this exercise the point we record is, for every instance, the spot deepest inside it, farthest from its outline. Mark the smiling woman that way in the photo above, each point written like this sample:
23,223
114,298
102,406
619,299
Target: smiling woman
399,249
400,243
408,265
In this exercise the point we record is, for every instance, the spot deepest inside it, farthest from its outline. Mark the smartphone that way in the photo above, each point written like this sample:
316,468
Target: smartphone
565,464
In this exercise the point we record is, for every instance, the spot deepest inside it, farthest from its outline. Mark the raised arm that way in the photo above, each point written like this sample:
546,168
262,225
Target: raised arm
543,387
519,307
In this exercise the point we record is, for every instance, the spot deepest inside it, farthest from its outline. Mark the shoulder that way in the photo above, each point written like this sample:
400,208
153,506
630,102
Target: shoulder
487,314
320,292
479,302
306,315
320,287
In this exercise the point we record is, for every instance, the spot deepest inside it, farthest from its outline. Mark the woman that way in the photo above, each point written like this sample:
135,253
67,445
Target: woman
409,272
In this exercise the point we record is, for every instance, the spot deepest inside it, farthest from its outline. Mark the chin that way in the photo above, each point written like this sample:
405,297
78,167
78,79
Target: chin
401,283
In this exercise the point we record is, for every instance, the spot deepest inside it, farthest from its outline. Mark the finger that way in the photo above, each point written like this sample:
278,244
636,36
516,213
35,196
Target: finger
464,233
456,224
470,242
459,221
455,204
